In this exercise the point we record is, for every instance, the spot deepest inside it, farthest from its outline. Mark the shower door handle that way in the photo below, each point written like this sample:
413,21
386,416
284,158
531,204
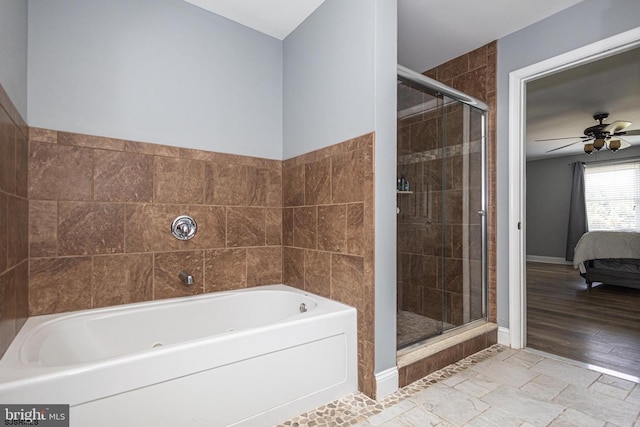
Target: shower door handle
481,213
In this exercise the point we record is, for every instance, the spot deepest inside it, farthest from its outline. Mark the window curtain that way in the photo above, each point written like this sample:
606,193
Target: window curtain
577,210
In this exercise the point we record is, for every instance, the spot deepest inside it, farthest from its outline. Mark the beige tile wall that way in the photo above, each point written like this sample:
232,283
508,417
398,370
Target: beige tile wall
101,210
328,233
13,222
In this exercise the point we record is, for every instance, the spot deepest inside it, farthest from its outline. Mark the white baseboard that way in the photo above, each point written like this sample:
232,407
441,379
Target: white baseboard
548,259
504,336
387,382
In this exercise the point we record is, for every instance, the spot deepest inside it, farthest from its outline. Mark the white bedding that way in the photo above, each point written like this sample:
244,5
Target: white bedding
606,244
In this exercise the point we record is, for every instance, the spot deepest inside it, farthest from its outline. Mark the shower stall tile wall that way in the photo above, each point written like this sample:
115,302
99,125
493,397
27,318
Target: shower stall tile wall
441,216
13,221
100,214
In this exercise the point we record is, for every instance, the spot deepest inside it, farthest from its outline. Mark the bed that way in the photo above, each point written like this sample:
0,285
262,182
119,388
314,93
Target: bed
609,257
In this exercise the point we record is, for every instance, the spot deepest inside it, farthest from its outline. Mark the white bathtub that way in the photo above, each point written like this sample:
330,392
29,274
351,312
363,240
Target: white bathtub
247,357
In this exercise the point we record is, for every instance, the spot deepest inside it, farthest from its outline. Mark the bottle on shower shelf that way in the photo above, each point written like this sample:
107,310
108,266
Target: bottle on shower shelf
404,184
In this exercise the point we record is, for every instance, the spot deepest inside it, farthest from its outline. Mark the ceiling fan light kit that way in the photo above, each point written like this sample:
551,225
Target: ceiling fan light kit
599,136
613,145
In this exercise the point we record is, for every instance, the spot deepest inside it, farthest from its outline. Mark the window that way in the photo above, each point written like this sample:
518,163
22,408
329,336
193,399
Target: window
612,194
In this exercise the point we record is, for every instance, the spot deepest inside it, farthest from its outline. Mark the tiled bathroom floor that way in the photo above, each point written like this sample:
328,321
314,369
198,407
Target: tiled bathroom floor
495,387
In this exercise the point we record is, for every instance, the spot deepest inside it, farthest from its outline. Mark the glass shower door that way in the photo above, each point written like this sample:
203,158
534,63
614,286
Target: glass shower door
462,275
440,222
420,135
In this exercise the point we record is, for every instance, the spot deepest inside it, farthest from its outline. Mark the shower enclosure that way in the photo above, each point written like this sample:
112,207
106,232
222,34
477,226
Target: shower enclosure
441,222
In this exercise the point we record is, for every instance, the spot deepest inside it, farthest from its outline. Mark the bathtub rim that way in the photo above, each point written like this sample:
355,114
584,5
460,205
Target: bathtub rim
27,376
44,322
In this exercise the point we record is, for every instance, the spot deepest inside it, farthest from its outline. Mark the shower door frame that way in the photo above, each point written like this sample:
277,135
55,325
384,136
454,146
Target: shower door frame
432,86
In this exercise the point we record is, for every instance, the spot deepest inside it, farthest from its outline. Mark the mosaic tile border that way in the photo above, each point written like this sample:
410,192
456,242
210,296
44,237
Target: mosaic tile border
357,408
451,151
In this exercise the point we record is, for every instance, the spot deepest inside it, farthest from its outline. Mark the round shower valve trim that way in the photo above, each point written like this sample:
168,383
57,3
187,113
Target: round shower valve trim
183,227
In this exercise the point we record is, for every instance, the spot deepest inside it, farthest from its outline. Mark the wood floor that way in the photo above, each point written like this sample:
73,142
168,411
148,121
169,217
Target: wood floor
601,326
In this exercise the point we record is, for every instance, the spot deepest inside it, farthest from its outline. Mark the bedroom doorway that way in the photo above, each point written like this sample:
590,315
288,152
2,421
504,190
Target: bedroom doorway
604,320
517,240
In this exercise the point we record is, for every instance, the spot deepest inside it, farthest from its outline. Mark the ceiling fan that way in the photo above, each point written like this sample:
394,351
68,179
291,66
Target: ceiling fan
601,135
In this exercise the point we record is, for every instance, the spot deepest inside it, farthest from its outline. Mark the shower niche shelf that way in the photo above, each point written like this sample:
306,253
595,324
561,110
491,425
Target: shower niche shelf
404,192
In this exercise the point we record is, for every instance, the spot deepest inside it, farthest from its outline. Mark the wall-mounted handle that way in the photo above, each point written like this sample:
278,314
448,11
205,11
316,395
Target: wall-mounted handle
184,227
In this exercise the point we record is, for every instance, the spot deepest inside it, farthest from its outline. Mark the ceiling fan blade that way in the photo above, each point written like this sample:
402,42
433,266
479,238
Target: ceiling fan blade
630,132
616,126
558,139
624,144
564,146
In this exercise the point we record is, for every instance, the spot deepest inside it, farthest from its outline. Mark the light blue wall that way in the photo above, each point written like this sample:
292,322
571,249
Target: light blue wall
386,48
13,52
339,83
161,71
577,26
328,77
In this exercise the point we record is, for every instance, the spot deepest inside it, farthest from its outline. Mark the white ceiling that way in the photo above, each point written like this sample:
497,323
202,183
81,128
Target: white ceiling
431,32
276,18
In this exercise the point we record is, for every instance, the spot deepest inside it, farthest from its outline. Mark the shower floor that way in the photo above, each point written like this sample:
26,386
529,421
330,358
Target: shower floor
412,327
